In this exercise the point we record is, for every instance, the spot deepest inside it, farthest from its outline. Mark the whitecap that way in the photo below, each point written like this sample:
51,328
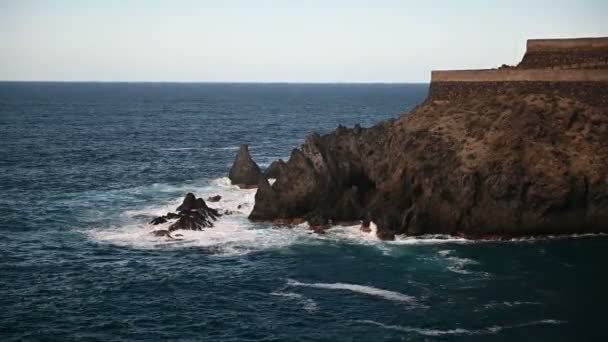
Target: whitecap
457,264
308,304
230,148
460,331
368,290
445,252
177,149
509,304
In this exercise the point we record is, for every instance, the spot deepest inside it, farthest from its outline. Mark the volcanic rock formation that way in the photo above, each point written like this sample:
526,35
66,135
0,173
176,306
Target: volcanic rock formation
192,214
274,169
483,156
244,171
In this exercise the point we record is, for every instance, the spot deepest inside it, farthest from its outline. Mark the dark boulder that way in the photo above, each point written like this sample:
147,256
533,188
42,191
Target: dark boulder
159,220
192,214
215,198
244,172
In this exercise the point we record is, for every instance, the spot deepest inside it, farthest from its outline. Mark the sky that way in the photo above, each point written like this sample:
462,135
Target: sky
276,41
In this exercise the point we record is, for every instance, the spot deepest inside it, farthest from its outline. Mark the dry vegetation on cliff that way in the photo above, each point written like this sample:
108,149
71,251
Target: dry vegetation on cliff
475,159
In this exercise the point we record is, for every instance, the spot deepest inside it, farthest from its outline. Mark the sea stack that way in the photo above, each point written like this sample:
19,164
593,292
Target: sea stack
245,173
497,153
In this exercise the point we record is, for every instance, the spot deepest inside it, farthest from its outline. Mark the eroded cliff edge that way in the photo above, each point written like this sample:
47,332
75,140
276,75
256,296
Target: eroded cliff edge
481,157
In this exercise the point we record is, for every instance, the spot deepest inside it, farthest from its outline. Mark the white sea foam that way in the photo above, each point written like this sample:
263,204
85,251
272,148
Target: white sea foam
368,290
460,331
508,304
235,234
177,149
457,264
308,304
445,252
429,239
232,235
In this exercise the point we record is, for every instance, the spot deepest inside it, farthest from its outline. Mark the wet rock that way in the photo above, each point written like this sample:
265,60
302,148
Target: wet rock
366,226
159,220
164,233
268,209
192,214
244,172
318,223
215,198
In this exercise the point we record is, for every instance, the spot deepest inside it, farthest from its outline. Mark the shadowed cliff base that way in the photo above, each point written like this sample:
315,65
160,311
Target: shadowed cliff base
477,158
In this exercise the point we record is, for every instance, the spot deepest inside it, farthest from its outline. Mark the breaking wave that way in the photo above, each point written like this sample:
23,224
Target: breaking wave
457,264
461,331
232,235
367,290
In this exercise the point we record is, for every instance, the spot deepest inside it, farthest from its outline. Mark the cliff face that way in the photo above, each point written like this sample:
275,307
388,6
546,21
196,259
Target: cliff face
477,159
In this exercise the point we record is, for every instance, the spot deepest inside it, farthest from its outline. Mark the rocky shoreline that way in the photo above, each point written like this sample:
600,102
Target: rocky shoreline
494,160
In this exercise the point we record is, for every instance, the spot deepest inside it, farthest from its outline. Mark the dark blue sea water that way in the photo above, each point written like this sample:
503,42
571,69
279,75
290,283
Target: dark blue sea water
84,166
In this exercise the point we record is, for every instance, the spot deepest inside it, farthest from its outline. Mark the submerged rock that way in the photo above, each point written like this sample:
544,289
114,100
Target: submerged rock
244,171
192,214
164,233
215,198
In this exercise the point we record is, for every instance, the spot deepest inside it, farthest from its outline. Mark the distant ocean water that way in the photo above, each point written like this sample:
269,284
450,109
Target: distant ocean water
84,166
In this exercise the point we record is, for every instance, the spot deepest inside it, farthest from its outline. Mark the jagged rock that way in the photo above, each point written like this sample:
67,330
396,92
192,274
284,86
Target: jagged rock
274,169
244,171
192,214
215,198
268,209
159,220
521,160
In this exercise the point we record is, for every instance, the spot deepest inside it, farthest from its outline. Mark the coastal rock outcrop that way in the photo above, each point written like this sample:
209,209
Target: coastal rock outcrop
479,159
244,171
274,169
192,214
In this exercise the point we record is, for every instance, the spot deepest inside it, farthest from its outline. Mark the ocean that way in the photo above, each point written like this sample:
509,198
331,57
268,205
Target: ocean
85,166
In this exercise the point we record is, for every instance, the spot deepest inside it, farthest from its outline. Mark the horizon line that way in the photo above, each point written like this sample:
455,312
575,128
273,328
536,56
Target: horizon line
221,82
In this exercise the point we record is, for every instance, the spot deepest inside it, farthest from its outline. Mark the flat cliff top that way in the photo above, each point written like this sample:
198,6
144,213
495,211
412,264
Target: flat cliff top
545,60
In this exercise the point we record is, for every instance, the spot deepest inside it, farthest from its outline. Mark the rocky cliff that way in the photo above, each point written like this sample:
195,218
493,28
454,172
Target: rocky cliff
480,159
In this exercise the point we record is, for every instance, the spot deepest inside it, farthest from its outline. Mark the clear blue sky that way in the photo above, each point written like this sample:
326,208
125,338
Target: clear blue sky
264,41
